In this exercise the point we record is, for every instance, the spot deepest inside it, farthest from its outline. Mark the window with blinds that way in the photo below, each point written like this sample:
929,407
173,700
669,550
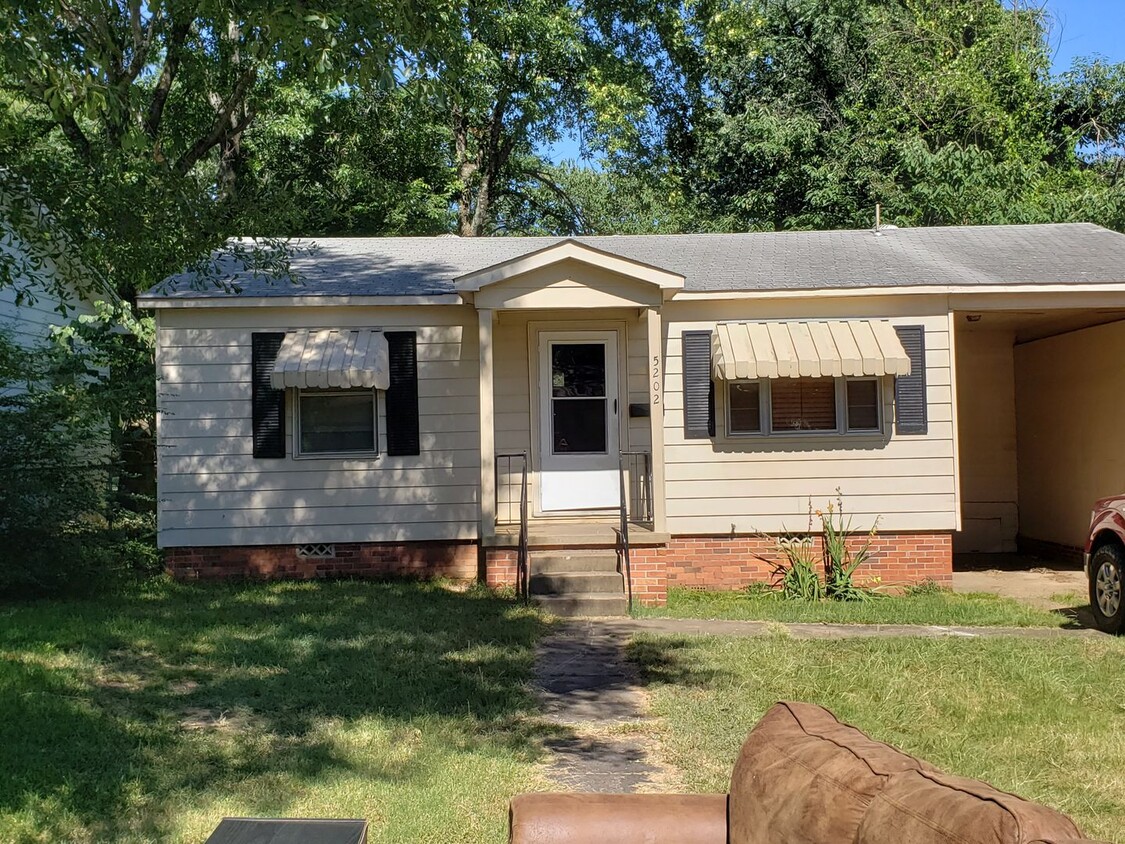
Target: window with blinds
803,404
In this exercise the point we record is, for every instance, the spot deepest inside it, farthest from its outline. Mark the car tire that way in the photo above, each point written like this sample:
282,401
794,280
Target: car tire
1107,588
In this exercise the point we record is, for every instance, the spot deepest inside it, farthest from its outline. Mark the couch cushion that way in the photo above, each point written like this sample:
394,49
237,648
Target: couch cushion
929,807
620,818
805,778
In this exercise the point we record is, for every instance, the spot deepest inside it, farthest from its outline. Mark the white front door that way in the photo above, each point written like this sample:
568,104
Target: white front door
578,458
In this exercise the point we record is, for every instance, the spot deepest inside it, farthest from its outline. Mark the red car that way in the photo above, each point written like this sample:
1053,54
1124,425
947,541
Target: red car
1104,563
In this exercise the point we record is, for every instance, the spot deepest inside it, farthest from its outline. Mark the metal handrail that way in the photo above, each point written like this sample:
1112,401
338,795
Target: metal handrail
522,574
623,550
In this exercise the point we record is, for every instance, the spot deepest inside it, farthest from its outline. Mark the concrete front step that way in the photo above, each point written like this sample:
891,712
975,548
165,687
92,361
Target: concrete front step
576,605
576,582
551,562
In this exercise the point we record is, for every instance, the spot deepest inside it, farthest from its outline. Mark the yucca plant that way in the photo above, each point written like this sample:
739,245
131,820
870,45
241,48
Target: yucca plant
840,561
794,563
796,574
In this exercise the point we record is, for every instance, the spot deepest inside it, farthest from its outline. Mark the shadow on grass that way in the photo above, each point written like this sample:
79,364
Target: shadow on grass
170,690
1077,617
670,660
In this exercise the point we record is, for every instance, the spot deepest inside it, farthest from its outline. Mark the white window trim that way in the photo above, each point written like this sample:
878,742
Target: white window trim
298,454
765,411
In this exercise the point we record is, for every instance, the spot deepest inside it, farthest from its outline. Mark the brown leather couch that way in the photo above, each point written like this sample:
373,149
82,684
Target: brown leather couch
802,778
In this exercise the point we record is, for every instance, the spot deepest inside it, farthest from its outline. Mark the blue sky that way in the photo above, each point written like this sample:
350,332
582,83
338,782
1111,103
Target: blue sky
1086,27
1080,28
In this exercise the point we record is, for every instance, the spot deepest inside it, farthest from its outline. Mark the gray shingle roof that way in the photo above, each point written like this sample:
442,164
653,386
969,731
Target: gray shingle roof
1068,253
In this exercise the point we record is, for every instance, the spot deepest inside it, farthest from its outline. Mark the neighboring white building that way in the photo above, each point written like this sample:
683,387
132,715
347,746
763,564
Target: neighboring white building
363,421
43,270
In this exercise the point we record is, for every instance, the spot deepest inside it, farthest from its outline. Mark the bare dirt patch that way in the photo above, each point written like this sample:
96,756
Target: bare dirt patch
1046,588
223,721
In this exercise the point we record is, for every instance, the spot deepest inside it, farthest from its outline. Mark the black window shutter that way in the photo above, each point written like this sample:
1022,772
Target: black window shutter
910,390
402,394
268,403
699,389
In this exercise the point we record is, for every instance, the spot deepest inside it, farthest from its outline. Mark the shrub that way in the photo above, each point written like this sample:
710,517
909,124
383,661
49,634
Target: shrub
54,449
840,561
795,570
796,575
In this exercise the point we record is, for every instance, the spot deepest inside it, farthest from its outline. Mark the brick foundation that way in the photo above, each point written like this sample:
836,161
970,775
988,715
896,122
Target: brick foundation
500,566
456,560
708,562
697,562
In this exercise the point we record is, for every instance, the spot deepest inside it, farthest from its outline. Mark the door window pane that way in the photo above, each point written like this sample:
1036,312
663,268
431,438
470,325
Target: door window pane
337,422
577,370
744,399
803,404
578,426
863,405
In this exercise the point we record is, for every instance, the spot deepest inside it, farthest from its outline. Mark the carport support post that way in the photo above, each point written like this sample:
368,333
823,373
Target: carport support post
487,429
655,366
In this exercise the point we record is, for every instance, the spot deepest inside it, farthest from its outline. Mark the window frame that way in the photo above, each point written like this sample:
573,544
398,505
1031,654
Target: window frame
879,423
842,429
300,454
763,408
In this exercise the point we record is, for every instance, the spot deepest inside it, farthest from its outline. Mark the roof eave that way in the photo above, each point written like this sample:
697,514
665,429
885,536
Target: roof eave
308,300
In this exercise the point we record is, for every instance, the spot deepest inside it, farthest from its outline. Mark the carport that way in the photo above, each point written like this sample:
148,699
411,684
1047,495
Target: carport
1040,391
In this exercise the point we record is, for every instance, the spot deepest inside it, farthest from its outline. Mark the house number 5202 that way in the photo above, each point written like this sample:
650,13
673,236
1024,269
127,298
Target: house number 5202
655,374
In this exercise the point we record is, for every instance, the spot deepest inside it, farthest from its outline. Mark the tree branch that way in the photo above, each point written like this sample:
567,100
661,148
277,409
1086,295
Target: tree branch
74,134
143,36
222,125
577,217
172,55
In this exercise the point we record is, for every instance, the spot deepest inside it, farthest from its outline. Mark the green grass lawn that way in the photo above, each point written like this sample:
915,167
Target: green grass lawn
1042,718
150,715
920,607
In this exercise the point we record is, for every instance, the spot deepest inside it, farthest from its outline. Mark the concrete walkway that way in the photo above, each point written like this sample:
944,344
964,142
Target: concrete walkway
625,627
587,685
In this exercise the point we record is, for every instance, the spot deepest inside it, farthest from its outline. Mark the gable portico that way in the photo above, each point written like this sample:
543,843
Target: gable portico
570,312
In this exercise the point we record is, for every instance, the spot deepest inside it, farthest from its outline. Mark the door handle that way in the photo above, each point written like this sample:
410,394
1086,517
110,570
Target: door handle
615,407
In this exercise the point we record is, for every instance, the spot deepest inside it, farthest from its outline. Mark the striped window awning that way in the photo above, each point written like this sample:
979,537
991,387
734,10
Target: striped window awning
332,358
806,349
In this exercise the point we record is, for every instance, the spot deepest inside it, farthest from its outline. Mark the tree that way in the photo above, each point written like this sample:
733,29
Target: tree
806,113
573,201
128,119
349,162
508,76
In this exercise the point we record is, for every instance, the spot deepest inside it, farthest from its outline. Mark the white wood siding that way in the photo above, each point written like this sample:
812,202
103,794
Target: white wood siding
750,484
29,325
212,491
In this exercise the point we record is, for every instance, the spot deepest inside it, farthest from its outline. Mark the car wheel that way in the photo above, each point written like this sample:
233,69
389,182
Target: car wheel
1107,588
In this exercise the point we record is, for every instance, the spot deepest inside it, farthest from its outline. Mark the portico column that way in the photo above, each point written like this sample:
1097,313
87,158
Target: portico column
655,367
487,427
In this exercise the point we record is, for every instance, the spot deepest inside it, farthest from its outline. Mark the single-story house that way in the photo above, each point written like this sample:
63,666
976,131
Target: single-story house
961,385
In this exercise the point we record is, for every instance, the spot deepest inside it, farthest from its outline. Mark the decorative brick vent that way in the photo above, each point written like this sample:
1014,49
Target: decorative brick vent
319,550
